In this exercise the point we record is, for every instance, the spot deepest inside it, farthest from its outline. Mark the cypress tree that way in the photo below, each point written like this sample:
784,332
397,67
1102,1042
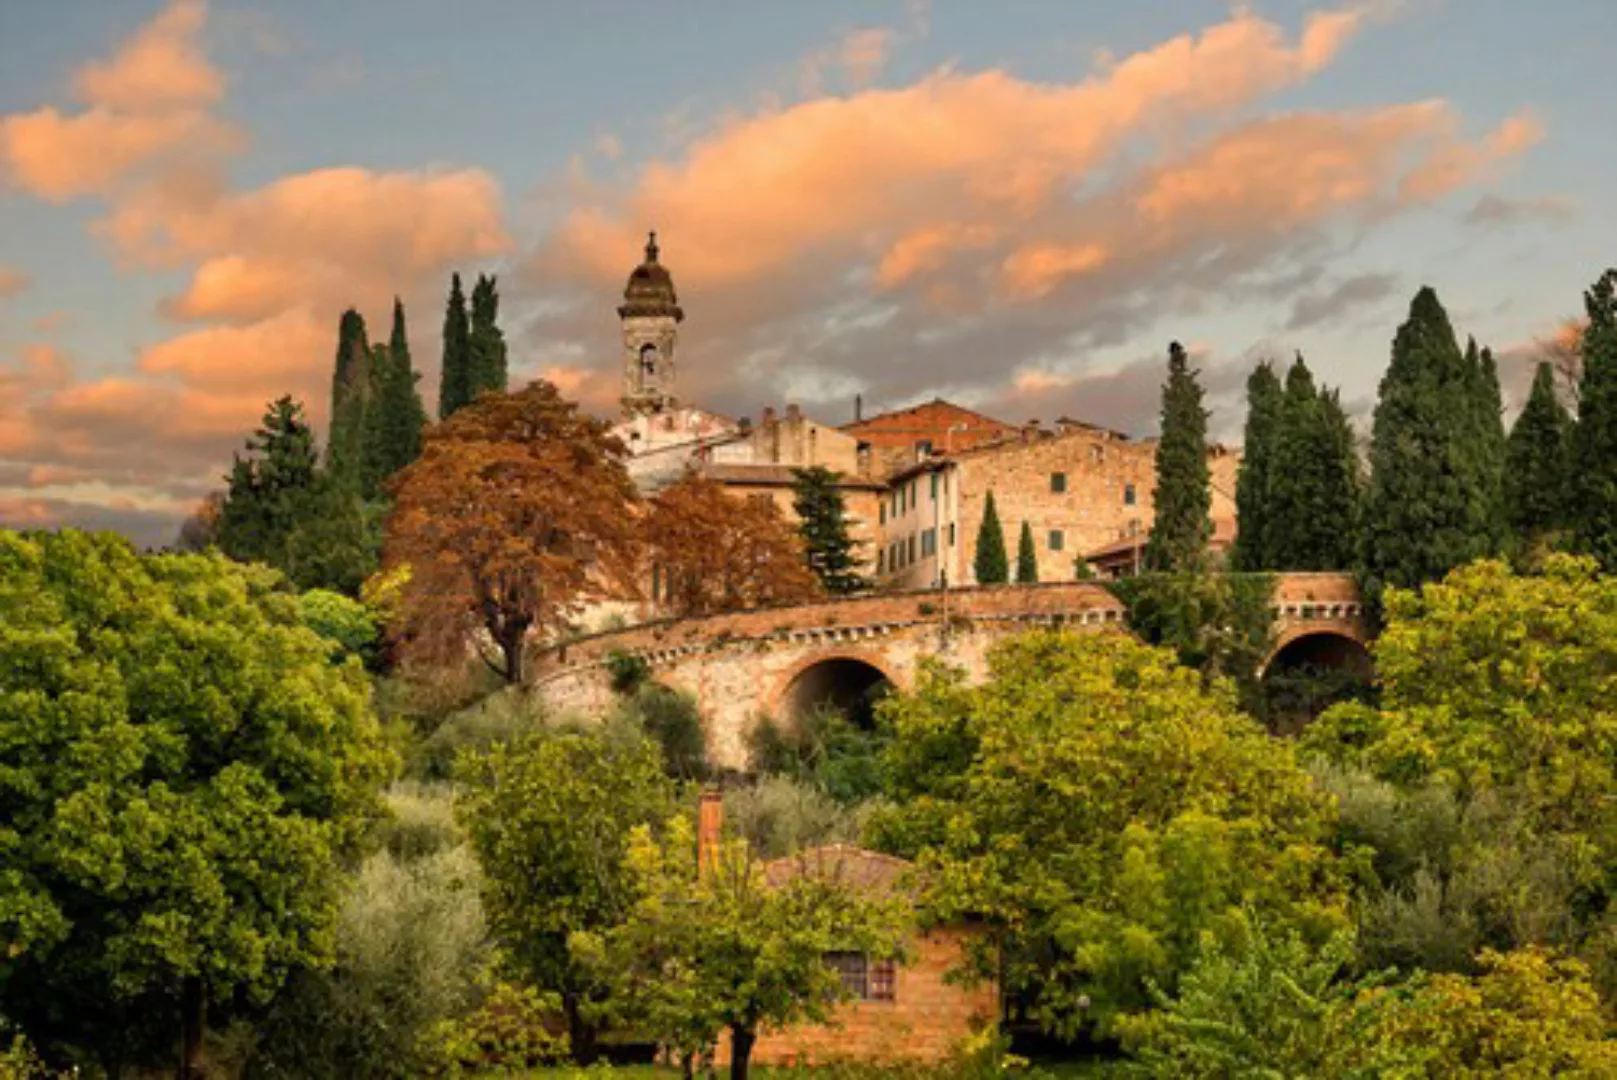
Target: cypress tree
1536,456
990,564
1027,560
1594,439
1486,445
454,385
395,418
350,387
1184,497
1427,509
486,346
822,522
1263,403
268,489
1314,488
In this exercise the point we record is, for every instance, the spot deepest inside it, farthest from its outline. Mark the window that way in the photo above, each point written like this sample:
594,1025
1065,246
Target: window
929,543
951,534
881,562
923,447
1058,482
883,514
1128,494
1058,540
864,979
909,557
934,487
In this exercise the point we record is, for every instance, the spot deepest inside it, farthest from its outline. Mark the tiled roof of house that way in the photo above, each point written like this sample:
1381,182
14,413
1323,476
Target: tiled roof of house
861,869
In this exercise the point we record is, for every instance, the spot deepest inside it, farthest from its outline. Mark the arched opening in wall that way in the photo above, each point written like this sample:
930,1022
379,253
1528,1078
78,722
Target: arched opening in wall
842,684
1311,673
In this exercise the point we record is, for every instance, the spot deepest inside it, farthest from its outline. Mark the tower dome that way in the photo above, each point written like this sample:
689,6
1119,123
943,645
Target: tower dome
650,291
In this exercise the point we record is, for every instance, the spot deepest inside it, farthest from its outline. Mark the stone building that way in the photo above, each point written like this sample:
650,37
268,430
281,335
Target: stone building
902,437
1082,489
908,1011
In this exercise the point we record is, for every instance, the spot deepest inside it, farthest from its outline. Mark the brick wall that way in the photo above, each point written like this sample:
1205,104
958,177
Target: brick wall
926,1020
893,436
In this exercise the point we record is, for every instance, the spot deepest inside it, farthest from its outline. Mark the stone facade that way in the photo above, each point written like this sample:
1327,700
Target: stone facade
900,438
1080,488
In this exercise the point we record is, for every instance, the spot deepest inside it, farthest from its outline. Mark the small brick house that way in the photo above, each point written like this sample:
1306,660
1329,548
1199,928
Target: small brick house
908,1011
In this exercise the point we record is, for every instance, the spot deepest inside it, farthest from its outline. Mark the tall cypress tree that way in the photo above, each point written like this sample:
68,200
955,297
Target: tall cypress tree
486,349
1184,496
1263,404
350,388
990,565
1027,559
822,522
454,384
1536,462
395,418
1486,444
1594,439
1426,512
1314,489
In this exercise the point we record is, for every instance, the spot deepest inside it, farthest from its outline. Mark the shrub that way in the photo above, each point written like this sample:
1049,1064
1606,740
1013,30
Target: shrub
780,814
498,718
823,748
626,671
349,625
672,721
515,1028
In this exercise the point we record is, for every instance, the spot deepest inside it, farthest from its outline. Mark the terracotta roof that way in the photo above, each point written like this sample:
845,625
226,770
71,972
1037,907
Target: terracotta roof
1223,536
934,403
777,476
861,869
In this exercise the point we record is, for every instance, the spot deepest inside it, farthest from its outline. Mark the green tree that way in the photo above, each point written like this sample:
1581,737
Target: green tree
1594,439
268,492
350,390
990,565
822,522
1102,810
454,384
1429,507
1264,396
551,818
348,625
486,363
1184,497
185,770
1537,472
1027,559
1314,483
394,420
713,945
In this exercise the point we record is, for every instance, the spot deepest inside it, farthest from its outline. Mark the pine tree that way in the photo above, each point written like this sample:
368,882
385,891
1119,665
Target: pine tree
1263,402
990,566
268,490
822,522
1488,441
454,386
1594,439
395,418
486,347
350,387
1027,559
1427,510
1536,471
1184,497
1313,496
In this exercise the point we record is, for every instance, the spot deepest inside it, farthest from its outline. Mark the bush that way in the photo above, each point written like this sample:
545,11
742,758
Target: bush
498,718
626,671
411,953
515,1028
672,721
779,815
349,625
420,822
825,749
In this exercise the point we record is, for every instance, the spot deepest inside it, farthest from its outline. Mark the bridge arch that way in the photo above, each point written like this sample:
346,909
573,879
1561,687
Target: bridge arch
851,681
1310,669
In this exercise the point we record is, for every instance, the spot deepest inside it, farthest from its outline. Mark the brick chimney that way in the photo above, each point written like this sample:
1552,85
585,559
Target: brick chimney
709,828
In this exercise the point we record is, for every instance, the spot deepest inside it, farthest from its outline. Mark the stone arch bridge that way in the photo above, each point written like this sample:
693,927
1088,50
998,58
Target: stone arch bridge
782,661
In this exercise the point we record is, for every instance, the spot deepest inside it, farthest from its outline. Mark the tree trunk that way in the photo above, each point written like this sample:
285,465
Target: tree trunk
513,644
192,1019
741,1040
580,1032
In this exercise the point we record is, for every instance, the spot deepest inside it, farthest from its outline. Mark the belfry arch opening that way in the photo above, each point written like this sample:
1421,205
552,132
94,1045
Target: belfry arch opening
1311,673
850,686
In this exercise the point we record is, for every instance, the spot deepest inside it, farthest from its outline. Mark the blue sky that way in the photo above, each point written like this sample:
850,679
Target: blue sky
1015,204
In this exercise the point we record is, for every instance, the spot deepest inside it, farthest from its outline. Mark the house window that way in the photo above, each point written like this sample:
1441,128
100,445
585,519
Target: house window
1058,482
1128,494
881,562
864,979
929,543
934,487
883,514
1058,540
923,447
951,534
910,556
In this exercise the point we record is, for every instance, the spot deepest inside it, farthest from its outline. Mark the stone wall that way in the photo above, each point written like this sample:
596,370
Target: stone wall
926,1021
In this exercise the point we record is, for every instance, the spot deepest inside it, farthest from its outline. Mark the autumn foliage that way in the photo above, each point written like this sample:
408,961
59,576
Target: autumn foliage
711,552
519,512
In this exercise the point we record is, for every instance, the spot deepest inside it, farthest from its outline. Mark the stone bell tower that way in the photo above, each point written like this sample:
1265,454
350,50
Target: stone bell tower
651,316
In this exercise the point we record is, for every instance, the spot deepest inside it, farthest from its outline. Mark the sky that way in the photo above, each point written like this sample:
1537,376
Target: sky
1014,205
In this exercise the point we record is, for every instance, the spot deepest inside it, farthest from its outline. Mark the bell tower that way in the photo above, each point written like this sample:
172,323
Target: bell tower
651,315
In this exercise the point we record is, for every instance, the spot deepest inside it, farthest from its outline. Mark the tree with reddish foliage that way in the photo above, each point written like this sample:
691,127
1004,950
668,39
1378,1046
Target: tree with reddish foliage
711,552
518,512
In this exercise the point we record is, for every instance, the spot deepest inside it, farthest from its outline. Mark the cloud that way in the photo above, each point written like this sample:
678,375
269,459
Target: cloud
1311,309
943,236
858,58
144,528
147,103
12,281
1491,210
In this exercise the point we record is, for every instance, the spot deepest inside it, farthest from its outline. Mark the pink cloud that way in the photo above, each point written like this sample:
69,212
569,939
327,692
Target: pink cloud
12,281
160,67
